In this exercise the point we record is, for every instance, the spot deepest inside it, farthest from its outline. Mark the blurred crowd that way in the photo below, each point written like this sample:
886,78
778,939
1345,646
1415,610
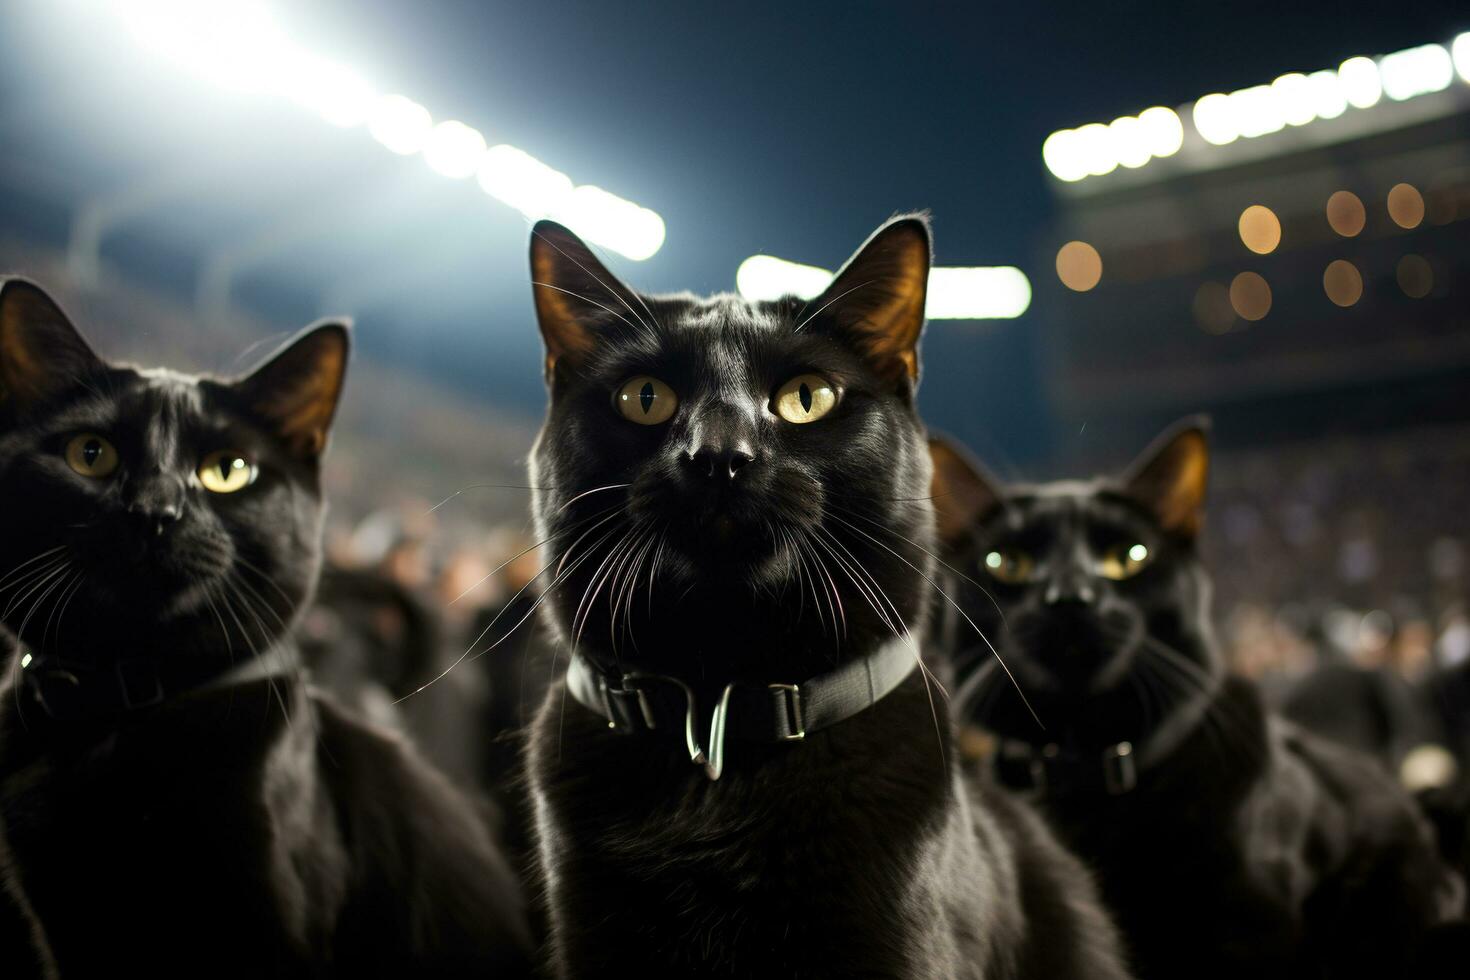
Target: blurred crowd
1341,566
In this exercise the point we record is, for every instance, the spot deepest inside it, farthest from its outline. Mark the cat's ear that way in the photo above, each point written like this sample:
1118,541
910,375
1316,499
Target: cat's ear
296,390
1170,476
963,492
41,353
877,299
573,290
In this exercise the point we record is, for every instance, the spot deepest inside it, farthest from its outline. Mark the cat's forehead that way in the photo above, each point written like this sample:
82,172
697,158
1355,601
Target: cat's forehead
130,393
1078,502
720,315
162,389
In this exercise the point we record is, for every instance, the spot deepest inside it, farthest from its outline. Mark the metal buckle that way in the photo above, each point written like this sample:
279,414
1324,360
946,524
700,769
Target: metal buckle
59,692
630,683
142,681
793,711
1120,772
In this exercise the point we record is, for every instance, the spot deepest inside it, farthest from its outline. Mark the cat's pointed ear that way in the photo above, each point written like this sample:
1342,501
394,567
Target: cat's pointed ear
1170,476
573,291
41,353
296,390
877,299
963,491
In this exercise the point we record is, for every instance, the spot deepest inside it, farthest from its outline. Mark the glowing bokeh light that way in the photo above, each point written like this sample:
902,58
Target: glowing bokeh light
1342,282
1292,99
607,219
1361,85
1406,205
1260,229
454,149
514,177
1415,276
1416,71
955,292
1079,267
1345,213
1250,295
1460,52
1212,308
239,45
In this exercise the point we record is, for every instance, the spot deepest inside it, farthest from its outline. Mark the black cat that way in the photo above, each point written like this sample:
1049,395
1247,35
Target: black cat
746,772
1229,843
175,801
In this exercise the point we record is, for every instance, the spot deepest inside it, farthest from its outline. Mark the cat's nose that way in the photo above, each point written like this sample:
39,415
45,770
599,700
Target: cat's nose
1064,590
719,462
157,504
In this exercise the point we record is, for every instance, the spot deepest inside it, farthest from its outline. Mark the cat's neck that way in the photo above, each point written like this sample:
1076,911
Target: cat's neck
629,808
709,639
94,684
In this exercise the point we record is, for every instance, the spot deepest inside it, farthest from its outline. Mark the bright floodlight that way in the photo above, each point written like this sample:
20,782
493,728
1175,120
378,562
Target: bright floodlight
1461,51
1061,154
1360,82
238,45
1293,99
1095,145
1328,98
1130,141
1214,119
1257,111
1416,71
332,91
1163,131
400,124
609,220
1293,94
955,293
516,178
993,293
765,277
454,149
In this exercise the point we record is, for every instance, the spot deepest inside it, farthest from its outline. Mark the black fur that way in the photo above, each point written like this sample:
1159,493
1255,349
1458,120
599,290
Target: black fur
738,546
1248,847
250,830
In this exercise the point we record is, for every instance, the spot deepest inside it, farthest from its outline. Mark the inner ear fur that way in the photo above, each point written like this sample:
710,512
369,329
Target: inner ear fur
572,290
878,297
41,352
1170,477
963,491
297,389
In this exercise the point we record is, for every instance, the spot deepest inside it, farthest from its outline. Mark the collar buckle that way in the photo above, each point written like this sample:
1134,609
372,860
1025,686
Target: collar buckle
793,711
1120,771
138,683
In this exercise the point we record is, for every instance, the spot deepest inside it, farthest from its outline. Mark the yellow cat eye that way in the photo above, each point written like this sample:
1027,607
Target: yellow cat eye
805,398
645,400
225,471
1123,561
1010,565
91,455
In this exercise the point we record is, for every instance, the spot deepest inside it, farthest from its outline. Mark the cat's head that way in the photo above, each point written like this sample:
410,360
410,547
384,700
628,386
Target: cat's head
1097,601
150,511
714,472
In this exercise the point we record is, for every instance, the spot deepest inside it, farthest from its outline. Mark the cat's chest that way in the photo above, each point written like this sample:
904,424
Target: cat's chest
122,837
648,861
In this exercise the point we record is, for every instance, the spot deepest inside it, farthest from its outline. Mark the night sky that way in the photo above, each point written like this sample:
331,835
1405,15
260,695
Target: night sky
791,129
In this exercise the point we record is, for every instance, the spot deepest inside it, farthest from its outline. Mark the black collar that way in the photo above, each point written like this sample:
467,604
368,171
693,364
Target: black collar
1051,771
635,701
69,690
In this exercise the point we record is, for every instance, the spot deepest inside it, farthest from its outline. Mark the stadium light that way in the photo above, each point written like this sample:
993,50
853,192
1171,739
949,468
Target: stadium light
1293,99
239,45
955,292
